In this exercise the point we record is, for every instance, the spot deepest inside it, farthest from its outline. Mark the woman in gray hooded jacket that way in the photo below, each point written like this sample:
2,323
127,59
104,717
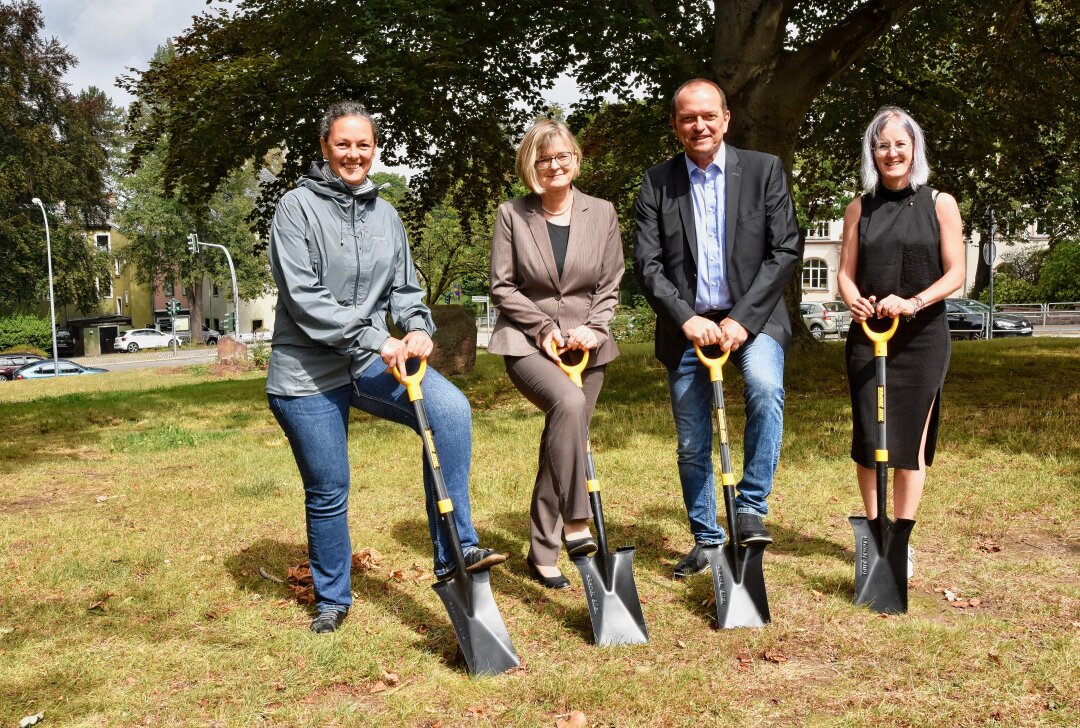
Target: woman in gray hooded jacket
341,262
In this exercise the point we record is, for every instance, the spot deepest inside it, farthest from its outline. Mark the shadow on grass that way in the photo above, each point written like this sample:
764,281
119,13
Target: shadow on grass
276,557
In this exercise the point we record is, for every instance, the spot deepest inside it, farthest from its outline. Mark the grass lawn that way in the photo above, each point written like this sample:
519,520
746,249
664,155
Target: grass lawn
139,511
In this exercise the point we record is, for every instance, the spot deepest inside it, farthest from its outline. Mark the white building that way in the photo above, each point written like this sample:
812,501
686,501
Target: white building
821,258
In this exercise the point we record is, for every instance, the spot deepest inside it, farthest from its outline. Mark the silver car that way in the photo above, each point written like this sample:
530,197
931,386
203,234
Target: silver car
831,318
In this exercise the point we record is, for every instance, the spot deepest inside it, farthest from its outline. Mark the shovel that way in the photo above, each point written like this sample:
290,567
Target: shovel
881,545
738,580
610,591
480,629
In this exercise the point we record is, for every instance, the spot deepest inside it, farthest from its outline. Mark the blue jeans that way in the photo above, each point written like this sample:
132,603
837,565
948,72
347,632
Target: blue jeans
317,426
761,361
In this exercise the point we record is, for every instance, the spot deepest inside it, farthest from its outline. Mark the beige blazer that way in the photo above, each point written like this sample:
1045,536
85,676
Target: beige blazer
525,284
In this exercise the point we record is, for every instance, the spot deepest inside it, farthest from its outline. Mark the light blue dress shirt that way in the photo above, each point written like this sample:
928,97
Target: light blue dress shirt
707,188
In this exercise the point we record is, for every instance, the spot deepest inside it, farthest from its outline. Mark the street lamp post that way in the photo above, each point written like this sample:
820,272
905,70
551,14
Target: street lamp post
52,305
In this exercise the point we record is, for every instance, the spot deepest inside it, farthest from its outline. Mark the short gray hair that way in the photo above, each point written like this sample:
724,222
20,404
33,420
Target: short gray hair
340,109
920,168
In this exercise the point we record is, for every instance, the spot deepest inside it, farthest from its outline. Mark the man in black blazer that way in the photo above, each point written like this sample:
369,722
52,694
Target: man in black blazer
716,244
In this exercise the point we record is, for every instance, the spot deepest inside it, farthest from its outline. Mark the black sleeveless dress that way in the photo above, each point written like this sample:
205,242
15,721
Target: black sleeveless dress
899,252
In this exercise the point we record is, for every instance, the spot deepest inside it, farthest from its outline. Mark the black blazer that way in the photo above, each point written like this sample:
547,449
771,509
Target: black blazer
763,247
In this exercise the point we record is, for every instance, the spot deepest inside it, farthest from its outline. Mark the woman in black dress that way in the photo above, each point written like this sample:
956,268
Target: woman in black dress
902,254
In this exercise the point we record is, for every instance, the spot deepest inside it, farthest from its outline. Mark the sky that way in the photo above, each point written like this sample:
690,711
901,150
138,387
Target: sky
110,36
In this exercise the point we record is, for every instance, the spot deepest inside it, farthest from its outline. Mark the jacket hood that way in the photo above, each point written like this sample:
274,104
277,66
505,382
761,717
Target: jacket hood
322,181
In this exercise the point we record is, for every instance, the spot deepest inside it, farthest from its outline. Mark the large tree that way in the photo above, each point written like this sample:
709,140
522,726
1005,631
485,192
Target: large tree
54,146
451,82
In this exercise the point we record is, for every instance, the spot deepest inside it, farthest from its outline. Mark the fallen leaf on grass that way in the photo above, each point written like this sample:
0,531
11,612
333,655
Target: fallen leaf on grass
573,719
745,660
378,687
6,630
391,678
987,546
681,644
476,712
366,558
775,656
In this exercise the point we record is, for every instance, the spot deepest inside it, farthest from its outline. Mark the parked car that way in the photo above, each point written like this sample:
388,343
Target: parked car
132,341
967,320
823,319
65,344
44,368
209,335
10,362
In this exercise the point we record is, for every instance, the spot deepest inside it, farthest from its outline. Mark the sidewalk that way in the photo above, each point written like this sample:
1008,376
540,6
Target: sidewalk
184,352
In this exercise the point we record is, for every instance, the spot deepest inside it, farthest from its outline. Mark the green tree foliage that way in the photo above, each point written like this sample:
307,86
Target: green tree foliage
1059,279
994,85
53,145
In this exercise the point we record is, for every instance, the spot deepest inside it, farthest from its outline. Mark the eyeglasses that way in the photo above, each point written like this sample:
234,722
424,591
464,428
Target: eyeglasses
882,149
563,158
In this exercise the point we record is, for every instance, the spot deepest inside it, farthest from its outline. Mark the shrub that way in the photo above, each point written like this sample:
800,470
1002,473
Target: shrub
260,355
634,323
22,331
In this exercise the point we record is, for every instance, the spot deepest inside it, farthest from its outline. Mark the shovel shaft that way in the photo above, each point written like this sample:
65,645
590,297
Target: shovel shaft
445,505
594,496
727,477
881,454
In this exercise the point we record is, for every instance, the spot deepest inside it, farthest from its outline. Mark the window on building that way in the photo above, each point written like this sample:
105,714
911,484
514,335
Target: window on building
217,324
818,229
101,240
187,292
105,290
127,298
170,288
217,291
116,266
256,324
119,307
815,274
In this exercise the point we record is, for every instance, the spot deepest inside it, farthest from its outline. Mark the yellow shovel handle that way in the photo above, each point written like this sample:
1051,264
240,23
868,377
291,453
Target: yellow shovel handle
881,338
412,381
574,372
715,366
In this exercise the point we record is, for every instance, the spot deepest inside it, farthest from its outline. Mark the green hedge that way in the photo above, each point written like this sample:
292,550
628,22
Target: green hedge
20,331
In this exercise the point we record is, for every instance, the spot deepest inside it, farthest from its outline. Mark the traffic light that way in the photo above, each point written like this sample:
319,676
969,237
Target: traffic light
172,306
193,243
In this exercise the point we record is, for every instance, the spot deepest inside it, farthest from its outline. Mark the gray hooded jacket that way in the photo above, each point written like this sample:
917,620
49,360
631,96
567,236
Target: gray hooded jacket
341,261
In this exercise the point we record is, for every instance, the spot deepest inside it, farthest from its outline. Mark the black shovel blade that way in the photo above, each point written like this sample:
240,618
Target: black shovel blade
612,597
741,600
881,564
480,629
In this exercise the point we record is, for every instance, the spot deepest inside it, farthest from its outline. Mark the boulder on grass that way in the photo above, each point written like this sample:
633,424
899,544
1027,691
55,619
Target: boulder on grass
231,351
455,340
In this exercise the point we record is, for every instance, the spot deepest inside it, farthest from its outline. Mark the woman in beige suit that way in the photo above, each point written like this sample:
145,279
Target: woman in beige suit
556,263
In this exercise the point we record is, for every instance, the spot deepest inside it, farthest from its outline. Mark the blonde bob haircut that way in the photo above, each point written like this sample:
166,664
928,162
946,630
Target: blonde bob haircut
535,139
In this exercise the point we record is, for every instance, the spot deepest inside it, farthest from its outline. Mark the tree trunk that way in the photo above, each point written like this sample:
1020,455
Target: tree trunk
196,313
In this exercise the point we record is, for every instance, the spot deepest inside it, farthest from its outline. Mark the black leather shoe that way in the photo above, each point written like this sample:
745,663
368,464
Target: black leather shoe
752,530
584,546
328,620
478,559
694,562
548,582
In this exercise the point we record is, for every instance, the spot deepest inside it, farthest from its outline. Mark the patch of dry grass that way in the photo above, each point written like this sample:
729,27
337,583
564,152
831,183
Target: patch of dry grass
138,510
